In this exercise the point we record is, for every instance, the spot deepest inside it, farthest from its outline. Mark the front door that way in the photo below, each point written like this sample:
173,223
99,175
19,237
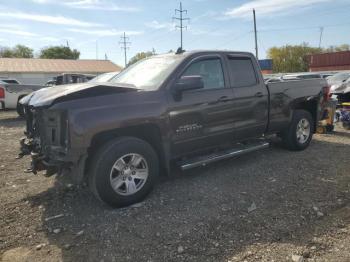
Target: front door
202,118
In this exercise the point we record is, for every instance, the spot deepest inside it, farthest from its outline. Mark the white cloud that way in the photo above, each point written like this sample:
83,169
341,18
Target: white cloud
11,26
41,1
206,15
157,25
104,32
58,20
197,31
50,39
90,4
264,7
17,32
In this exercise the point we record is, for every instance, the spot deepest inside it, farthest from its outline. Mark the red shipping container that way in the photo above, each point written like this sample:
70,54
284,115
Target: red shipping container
337,59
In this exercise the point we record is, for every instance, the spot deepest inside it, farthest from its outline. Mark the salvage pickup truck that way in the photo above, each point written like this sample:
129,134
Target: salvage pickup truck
187,109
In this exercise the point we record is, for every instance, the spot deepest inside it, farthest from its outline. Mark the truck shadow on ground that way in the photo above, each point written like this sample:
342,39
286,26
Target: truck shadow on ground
11,121
342,134
202,214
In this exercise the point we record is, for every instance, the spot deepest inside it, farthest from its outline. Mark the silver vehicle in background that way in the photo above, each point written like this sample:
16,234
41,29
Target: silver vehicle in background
340,86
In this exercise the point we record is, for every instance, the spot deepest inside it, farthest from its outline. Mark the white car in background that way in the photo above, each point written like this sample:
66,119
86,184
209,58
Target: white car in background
11,93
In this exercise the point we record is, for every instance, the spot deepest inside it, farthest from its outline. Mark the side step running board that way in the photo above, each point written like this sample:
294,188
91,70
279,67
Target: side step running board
204,160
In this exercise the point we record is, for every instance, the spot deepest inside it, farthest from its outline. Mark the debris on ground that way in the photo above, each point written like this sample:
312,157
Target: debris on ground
54,217
297,258
57,230
252,207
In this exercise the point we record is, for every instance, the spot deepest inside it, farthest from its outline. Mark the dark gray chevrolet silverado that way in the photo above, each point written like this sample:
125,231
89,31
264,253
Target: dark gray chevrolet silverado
186,109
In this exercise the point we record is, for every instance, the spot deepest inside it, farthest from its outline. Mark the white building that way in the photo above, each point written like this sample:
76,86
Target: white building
34,71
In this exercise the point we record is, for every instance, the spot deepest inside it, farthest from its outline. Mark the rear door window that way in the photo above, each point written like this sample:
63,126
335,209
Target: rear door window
242,71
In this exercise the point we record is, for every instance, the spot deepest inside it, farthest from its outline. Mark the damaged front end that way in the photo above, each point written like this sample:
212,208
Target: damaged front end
54,139
46,141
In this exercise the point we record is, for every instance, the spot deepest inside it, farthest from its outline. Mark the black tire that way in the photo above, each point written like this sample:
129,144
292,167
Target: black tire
330,128
20,110
289,136
103,161
346,125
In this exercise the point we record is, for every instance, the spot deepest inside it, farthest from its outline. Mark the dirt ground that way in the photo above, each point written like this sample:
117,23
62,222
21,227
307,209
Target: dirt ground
272,205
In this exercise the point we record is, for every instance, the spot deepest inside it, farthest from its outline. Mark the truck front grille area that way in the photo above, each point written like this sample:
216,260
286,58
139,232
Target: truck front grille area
47,128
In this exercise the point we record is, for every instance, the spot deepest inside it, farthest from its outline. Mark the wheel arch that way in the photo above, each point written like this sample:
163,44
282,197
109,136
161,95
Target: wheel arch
21,96
310,106
148,132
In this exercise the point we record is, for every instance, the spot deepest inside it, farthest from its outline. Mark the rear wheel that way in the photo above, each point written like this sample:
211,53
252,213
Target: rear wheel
123,171
346,125
299,134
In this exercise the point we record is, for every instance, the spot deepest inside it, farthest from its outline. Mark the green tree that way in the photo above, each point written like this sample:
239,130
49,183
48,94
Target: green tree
291,58
6,52
343,47
19,51
140,56
59,52
22,51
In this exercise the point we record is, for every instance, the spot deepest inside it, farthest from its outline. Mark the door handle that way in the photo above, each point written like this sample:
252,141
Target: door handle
223,99
259,94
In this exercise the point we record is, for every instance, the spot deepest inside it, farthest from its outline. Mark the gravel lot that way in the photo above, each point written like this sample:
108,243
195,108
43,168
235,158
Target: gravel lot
272,205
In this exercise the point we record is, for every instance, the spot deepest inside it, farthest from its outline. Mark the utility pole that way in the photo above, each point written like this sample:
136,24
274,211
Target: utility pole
96,50
181,19
124,45
321,34
256,37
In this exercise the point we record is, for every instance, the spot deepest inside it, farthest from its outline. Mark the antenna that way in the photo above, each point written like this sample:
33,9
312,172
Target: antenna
124,45
256,36
181,19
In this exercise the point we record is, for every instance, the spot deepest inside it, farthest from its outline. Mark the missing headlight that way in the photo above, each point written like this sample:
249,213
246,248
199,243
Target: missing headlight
55,127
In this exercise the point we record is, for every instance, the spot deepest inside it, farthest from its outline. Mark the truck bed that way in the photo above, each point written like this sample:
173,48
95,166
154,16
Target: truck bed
283,96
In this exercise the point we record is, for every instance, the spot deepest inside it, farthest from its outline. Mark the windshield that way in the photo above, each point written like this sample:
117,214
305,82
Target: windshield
149,73
104,77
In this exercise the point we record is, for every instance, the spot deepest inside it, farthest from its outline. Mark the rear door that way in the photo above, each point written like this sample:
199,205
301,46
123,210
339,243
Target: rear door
202,118
250,104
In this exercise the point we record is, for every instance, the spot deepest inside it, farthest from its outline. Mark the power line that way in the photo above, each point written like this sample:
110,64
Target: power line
236,37
301,28
181,19
124,45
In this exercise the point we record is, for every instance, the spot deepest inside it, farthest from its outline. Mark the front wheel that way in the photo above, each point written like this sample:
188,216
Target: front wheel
20,110
123,171
299,134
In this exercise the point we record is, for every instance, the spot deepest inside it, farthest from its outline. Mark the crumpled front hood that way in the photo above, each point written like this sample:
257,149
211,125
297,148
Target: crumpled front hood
47,96
340,88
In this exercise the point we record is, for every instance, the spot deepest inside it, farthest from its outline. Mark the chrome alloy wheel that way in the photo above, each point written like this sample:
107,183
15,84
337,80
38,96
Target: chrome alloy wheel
303,131
129,174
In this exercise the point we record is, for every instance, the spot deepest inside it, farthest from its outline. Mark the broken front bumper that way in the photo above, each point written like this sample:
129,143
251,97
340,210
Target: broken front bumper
55,162
47,143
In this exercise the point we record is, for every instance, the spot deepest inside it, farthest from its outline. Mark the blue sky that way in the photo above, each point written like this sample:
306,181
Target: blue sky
214,24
